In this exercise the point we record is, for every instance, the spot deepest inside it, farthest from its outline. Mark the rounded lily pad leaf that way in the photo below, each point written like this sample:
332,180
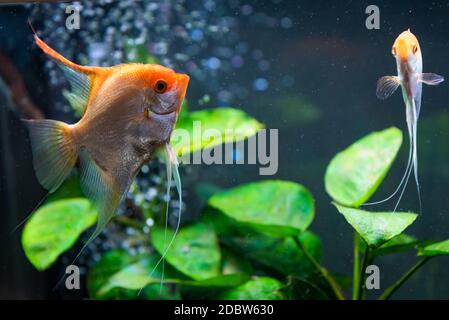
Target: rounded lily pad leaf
354,174
435,249
134,276
208,128
233,263
119,275
54,228
141,276
274,207
194,252
261,288
221,281
98,275
376,228
282,255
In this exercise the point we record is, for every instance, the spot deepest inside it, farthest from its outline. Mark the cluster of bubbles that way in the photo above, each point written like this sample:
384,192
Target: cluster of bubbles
201,38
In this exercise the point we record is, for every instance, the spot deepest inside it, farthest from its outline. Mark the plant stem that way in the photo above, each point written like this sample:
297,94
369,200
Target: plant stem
395,286
370,262
356,267
363,272
323,271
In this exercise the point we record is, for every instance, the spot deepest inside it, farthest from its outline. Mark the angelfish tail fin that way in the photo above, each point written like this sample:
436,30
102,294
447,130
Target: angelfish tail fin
412,121
54,151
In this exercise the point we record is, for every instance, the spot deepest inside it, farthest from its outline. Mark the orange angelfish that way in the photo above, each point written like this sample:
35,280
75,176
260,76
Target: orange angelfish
130,111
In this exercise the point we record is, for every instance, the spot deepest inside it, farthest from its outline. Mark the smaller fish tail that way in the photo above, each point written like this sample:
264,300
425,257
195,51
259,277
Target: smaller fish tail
412,120
54,151
415,154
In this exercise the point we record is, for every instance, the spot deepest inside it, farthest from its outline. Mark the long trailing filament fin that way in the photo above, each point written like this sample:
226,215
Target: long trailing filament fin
172,161
398,188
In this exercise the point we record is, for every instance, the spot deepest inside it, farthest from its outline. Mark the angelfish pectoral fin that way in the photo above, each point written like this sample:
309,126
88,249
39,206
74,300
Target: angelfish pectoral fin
104,190
386,86
430,79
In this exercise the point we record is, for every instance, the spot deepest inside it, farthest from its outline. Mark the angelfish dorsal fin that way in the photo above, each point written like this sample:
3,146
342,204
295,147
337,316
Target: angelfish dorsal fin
81,84
81,78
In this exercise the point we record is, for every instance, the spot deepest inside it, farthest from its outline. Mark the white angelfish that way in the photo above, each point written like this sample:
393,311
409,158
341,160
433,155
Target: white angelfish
407,53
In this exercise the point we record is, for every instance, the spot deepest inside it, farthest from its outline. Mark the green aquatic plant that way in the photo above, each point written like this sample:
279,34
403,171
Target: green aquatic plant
251,242
351,179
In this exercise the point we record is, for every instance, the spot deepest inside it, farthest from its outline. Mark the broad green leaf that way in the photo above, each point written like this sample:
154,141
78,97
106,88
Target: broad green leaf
221,281
134,276
210,288
194,252
376,228
156,292
354,174
97,277
400,243
54,228
223,224
233,263
260,288
140,275
198,130
121,276
435,249
283,254
278,208
305,289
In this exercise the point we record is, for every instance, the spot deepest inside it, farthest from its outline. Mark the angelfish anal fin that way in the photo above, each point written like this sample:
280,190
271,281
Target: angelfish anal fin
386,86
430,79
103,189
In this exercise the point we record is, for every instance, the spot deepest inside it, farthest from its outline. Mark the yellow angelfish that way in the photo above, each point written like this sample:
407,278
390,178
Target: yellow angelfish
130,111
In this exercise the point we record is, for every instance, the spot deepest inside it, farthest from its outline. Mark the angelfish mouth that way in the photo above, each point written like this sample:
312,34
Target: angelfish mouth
156,114
170,110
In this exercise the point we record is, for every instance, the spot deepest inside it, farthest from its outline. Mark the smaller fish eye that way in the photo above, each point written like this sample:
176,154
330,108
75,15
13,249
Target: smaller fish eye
160,86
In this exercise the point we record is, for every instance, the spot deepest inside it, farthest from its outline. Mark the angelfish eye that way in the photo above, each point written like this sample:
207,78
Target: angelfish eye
415,49
160,86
